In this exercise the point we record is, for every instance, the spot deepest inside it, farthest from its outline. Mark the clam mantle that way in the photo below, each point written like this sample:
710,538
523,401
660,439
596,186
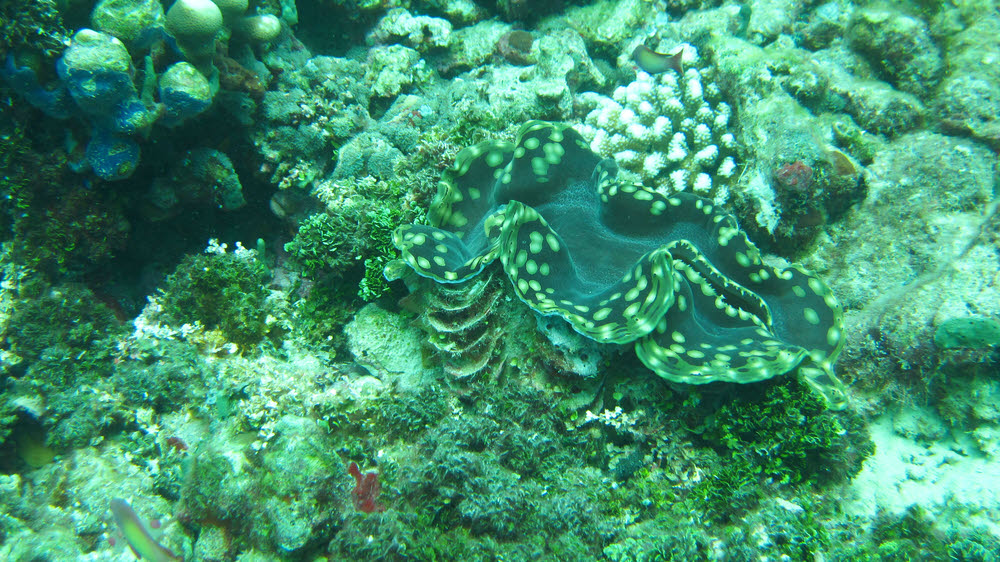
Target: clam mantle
622,263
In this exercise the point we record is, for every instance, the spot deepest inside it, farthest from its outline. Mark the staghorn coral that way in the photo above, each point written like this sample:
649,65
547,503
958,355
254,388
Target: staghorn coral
625,264
672,129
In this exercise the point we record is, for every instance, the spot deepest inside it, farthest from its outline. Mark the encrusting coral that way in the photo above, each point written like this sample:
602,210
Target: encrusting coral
623,263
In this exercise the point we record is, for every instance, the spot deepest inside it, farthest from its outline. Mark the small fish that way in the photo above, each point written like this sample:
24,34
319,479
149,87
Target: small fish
137,536
655,63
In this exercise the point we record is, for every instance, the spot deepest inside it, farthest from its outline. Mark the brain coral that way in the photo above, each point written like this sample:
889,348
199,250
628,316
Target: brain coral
623,263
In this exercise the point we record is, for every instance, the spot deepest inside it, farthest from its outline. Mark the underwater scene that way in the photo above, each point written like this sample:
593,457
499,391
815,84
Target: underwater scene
499,280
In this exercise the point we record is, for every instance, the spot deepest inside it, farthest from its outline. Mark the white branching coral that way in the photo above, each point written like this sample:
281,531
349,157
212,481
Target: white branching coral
617,418
673,131
240,251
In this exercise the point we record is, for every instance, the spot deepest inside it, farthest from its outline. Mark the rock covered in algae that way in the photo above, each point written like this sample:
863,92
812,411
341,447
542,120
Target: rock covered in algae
625,264
127,19
967,332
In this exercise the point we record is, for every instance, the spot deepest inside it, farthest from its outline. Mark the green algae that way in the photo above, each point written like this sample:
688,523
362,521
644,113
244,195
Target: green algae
223,291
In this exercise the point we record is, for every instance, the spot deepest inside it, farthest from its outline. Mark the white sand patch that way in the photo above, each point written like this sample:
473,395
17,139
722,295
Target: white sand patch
956,484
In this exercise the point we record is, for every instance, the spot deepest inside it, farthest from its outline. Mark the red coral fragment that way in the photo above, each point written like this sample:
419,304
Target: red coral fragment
796,176
366,490
177,444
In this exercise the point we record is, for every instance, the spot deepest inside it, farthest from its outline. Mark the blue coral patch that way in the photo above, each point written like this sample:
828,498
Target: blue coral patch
112,157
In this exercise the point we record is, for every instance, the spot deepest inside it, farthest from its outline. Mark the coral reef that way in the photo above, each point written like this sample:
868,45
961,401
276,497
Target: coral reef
128,20
202,176
58,226
97,72
900,46
494,400
964,101
797,185
354,231
59,340
763,439
606,24
311,113
422,33
184,92
967,332
195,25
96,82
